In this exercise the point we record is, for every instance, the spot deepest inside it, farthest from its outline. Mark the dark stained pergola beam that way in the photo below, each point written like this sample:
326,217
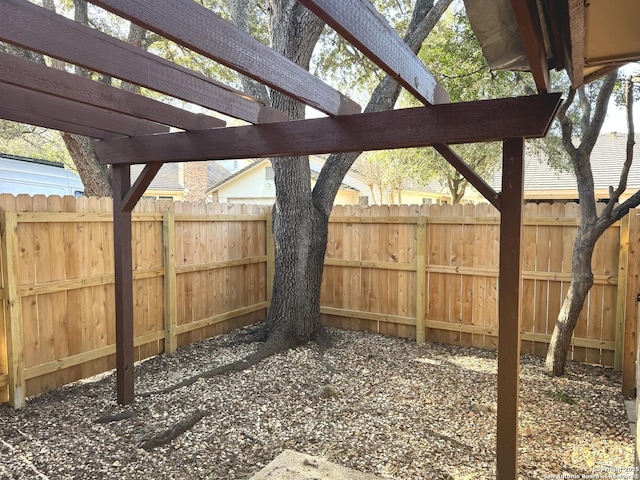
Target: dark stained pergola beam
360,23
530,29
31,118
194,26
479,121
62,109
35,28
33,76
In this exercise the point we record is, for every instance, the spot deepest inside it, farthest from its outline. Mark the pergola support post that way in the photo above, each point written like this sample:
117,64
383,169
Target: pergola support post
123,283
509,307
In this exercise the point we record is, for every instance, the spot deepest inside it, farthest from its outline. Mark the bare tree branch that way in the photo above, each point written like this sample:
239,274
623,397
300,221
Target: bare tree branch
590,136
240,10
565,122
425,16
633,201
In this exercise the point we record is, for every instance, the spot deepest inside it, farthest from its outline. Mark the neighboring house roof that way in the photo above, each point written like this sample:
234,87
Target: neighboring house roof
607,159
230,177
216,173
434,186
315,164
349,182
169,178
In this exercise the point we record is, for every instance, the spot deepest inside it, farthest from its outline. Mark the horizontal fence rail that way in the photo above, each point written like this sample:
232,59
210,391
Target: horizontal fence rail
423,272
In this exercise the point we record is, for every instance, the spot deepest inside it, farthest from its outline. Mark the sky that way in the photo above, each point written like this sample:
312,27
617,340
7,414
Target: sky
616,120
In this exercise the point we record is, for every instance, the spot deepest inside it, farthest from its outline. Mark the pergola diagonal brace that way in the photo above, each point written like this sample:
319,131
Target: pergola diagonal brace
139,186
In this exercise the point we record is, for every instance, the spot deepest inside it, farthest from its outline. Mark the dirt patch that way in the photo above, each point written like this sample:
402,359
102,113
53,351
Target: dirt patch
375,404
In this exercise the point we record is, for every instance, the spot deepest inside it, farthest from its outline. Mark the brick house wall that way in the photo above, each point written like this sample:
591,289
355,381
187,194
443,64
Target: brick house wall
195,181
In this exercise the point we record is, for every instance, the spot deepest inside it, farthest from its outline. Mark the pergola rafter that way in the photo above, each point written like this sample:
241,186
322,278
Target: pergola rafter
223,42
510,120
32,27
50,106
40,78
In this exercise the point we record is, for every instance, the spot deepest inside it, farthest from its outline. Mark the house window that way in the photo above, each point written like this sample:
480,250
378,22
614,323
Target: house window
363,201
269,174
427,201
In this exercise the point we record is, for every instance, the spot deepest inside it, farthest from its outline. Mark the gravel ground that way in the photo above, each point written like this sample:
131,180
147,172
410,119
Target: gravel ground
373,403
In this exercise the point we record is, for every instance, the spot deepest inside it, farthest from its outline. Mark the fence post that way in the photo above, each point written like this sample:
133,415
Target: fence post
630,393
170,291
621,293
421,278
13,316
629,345
271,256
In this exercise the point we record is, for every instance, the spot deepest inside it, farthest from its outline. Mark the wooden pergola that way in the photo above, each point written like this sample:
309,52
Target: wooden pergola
132,129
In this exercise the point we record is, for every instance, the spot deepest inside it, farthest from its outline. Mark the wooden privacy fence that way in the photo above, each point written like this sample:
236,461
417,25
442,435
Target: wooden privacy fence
424,272
431,272
199,270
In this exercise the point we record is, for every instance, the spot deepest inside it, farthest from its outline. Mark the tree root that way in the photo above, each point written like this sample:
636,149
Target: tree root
178,429
264,351
252,334
323,339
274,344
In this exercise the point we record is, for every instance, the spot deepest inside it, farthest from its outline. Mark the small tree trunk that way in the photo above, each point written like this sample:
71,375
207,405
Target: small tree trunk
591,226
581,283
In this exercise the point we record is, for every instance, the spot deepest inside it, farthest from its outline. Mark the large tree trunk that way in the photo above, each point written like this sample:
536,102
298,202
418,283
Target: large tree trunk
95,177
300,239
301,215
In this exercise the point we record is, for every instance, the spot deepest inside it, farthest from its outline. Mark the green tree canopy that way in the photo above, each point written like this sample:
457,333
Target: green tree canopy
455,58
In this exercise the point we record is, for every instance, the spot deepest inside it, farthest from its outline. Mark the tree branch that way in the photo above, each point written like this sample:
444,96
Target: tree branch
240,18
633,201
528,89
585,119
424,18
566,124
590,135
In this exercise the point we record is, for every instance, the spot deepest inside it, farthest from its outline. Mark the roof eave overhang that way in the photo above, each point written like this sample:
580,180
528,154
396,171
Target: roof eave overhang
586,40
